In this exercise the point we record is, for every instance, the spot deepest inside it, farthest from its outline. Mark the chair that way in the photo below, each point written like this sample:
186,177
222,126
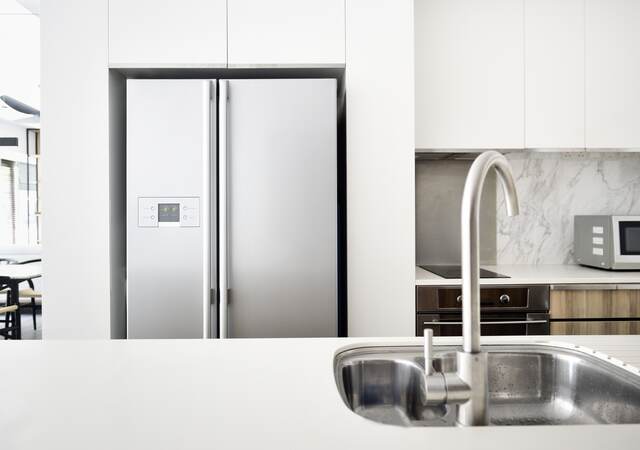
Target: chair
29,297
10,321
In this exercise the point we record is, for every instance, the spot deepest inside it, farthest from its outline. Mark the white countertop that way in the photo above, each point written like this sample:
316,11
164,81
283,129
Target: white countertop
540,274
234,394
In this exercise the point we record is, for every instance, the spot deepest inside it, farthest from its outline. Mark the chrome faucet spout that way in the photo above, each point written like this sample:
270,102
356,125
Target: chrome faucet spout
470,236
468,386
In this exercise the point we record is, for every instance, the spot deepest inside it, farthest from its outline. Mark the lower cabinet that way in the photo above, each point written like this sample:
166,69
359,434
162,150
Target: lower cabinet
596,327
595,311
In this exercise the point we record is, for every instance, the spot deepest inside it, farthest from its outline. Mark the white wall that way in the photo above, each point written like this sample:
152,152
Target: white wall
380,167
10,129
75,168
20,58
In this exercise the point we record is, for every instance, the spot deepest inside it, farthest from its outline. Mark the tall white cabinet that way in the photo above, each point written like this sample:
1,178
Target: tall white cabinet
554,74
612,91
168,33
380,168
75,165
286,33
469,74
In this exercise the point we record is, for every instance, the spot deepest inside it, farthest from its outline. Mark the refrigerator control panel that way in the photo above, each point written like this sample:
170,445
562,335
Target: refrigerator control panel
154,212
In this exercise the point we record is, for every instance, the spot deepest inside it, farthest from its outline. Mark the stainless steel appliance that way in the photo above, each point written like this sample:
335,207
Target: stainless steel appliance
455,271
232,208
607,242
504,310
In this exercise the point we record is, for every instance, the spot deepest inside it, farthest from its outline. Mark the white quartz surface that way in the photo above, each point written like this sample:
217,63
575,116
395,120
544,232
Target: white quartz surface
539,274
234,394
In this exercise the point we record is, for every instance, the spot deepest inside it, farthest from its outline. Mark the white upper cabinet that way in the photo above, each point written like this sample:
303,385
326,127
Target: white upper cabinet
554,74
168,33
469,74
613,73
286,33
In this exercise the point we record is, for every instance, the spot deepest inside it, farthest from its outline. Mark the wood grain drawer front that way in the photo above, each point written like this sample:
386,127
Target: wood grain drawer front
438,299
595,304
596,327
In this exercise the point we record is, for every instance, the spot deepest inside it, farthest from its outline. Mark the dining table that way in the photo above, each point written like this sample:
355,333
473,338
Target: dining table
11,275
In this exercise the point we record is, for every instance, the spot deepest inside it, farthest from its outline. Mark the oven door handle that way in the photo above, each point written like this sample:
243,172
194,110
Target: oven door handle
498,322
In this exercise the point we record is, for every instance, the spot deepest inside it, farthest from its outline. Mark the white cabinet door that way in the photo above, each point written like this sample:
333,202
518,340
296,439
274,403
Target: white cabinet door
380,168
554,73
612,73
168,33
469,74
286,33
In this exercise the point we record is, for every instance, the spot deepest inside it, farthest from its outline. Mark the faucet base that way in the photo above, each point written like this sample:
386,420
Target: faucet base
472,371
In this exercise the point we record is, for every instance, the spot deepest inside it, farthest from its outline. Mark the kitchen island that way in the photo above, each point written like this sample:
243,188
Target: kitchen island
237,394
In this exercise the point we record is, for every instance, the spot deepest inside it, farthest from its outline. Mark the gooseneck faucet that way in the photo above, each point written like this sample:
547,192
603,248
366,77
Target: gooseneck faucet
468,386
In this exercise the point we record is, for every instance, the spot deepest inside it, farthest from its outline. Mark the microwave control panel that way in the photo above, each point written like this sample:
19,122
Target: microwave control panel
181,212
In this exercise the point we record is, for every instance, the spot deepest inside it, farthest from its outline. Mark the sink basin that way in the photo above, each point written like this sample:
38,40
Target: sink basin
537,384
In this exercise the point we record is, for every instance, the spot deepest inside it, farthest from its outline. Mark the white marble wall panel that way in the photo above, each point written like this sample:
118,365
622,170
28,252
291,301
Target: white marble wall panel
553,188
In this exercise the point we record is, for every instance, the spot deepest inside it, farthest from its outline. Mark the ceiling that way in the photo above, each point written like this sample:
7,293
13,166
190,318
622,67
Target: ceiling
20,74
19,6
31,5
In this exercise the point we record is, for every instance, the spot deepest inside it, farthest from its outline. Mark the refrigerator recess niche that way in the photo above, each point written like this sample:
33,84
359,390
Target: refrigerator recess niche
232,208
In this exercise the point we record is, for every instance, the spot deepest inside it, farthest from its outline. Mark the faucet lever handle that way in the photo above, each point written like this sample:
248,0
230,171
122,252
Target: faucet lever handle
428,351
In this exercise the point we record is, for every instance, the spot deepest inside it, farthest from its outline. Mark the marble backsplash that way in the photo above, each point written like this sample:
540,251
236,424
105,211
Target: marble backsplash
554,187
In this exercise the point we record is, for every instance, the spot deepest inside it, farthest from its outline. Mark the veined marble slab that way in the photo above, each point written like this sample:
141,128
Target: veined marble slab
553,188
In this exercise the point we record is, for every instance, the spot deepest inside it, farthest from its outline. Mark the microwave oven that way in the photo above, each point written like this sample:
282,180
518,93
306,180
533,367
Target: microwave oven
607,242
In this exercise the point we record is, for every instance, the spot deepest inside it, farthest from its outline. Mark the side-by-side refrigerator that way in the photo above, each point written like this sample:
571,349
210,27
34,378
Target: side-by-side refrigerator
232,208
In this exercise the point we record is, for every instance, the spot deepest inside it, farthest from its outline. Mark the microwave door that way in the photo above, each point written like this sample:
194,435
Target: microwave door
626,242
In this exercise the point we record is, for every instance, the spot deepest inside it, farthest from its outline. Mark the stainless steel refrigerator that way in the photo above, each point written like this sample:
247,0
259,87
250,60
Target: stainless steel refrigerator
232,208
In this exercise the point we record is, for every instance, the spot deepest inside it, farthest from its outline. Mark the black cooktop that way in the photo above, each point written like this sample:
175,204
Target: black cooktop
453,271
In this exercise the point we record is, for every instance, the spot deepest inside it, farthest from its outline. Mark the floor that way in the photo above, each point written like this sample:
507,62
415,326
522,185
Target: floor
27,326
28,333
27,322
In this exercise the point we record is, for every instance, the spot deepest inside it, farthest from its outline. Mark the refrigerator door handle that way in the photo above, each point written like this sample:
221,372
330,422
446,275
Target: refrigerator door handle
223,208
212,297
208,106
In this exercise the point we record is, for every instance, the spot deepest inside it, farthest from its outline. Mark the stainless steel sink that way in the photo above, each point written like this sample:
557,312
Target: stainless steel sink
537,384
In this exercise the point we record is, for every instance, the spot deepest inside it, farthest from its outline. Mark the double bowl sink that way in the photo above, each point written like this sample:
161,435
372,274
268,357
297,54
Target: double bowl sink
532,384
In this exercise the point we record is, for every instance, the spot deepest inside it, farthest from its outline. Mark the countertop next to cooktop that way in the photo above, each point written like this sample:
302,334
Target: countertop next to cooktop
557,274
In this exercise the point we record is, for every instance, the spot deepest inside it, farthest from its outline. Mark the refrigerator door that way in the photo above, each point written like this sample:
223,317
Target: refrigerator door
281,207
169,138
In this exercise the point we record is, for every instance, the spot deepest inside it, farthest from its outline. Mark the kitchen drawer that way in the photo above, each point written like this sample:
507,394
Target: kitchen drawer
493,297
595,304
596,327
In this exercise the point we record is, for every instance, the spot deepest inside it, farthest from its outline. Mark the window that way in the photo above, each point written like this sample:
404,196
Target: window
19,199
7,203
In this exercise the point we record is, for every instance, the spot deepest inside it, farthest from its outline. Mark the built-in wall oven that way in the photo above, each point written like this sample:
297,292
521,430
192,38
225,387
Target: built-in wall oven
504,310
